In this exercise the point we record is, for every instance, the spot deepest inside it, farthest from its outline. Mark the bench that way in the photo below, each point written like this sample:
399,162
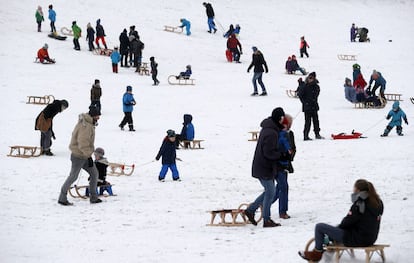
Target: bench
393,96
40,100
24,151
255,136
346,57
369,251
194,144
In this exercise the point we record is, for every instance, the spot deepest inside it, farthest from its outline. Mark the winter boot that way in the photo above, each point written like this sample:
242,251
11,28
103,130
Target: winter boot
386,131
121,126
131,127
270,223
313,255
399,131
319,137
250,216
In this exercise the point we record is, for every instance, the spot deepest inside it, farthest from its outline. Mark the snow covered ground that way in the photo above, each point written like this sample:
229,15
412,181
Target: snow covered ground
150,221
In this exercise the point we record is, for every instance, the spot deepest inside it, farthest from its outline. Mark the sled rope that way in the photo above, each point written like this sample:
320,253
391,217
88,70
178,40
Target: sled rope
378,122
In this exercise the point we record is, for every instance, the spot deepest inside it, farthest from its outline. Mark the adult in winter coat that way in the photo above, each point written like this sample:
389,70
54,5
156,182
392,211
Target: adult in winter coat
353,32
39,18
44,123
308,93
265,165
124,48
187,132
90,36
96,93
77,33
136,46
100,34
303,47
82,147
154,71
52,18
185,23
233,44
43,55
359,228
128,103
380,83
168,154
210,17
396,115
260,66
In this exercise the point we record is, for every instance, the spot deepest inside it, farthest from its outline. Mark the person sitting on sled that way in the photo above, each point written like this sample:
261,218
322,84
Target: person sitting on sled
294,66
396,115
359,228
350,92
101,164
185,74
43,55
187,132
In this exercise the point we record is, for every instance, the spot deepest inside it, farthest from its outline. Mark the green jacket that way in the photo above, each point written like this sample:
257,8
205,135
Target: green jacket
76,31
39,17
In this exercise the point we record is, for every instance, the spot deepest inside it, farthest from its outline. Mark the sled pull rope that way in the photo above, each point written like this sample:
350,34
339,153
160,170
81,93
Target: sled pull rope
378,122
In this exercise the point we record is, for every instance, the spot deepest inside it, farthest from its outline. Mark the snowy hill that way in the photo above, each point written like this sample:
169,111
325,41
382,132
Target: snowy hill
150,221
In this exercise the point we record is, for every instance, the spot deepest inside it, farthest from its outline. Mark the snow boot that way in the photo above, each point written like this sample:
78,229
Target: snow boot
386,131
313,255
270,223
131,127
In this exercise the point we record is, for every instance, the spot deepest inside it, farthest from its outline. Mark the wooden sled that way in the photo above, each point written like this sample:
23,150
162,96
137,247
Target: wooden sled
174,29
37,60
66,31
144,69
117,169
56,36
103,51
344,136
255,136
194,144
412,100
393,96
77,191
347,57
24,151
233,214
339,250
172,80
47,99
292,93
371,105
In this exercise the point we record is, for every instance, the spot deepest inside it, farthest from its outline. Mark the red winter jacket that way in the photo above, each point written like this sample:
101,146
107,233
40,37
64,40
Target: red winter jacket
360,83
233,42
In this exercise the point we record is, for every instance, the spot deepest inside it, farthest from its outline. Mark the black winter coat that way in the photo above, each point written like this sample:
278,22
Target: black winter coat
100,31
361,229
258,62
123,43
90,34
267,153
167,151
50,111
209,11
308,94
101,165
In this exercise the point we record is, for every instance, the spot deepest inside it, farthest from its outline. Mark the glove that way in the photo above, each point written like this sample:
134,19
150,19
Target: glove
90,162
157,158
267,71
248,71
406,122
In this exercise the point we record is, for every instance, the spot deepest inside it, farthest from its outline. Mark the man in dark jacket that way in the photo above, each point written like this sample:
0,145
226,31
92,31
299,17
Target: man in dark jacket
136,46
258,62
44,123
264,166
124,48
308,93
210,17
96,93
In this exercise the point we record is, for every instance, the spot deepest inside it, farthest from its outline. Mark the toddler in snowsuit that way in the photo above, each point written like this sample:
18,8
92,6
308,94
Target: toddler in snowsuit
185,74
115,58
396,115
101,164
168,154
187,132
185,23
154,71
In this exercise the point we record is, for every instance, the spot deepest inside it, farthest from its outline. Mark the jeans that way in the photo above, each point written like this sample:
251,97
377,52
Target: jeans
281,193
164,170
265,199
257,76
211,25
334,234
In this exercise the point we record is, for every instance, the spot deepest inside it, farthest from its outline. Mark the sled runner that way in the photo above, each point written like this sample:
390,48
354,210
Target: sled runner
37,60
103,51
47,99
292,93
229,55
194,144
66,31
82,191
143,69
347,57
339,250
56,36
393,96
371,104
118,169
174,29
412,100
255,136
24,151
232,214
344,136
173,80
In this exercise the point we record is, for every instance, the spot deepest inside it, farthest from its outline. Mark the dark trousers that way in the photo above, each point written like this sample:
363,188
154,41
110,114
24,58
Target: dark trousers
124,60
154,77
115,67
39,26
52,26
76,43
127,119
90,44
311,116
304,51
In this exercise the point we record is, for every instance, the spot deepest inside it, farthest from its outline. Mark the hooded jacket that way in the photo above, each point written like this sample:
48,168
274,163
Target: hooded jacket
396,115
308,93
167,151
258,62
83,137
44,121
187,132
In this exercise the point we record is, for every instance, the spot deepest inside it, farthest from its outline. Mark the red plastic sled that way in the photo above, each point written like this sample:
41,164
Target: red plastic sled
343,136
229,55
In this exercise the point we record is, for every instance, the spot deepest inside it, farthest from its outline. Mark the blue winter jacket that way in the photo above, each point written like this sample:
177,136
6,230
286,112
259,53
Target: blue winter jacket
52,15
350,93
396,115
167,151
115,57
380,81
185,23
187,132
284,146
128,102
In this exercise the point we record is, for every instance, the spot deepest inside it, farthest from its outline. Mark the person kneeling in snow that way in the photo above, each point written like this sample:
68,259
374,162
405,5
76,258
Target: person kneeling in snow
43,55
396,114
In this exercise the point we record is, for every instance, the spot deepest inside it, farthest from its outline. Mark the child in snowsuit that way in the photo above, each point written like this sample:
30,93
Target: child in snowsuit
233,44
77,32
168,154
90,36
288,66
353,31
39,18
303,46
115,58
43,55
359,83
185,23
128,102
350,92
187,132
396,115
96,93
154,71
52,18
185,74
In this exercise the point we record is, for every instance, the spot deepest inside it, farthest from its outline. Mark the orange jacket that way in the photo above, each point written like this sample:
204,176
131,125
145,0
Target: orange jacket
42,53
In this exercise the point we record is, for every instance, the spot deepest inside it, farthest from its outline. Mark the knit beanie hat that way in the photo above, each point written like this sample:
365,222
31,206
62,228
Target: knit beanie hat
254,49
99,151
170,133
129,88
277,114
